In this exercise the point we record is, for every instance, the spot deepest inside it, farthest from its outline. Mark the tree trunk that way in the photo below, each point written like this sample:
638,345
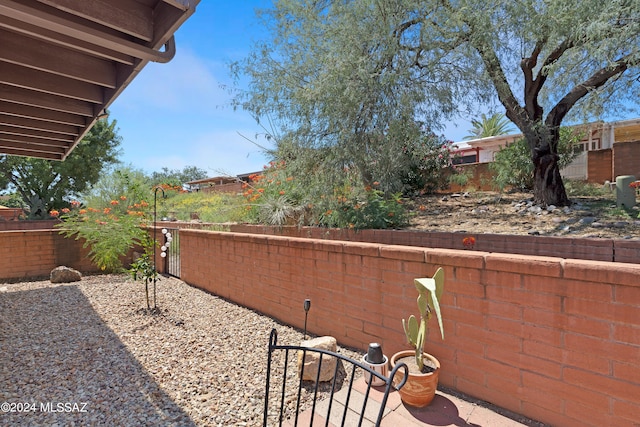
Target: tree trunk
548,188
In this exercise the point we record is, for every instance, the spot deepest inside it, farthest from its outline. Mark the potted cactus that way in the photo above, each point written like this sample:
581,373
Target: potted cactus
421,385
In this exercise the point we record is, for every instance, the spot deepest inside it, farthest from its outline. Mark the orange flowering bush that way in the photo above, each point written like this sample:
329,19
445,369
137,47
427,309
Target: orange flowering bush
273,197
368,207
277,197
110,232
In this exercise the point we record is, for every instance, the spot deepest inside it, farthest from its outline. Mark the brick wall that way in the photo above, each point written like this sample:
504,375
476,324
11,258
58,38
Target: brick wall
610,250
556,340
34,253
482,178
10,214
599,166
28,225
232,187
626,159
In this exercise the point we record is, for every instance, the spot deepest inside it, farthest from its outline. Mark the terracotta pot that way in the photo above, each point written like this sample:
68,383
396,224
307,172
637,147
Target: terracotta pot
420,389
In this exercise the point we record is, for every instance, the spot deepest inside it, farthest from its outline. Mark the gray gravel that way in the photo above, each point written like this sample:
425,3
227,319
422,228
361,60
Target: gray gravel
86,354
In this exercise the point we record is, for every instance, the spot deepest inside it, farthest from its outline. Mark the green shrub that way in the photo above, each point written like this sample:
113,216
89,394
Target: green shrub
110,232
576,188
275,197
429,164
359,208
513,166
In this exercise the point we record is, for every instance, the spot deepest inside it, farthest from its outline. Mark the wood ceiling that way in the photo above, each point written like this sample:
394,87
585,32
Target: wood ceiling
63,62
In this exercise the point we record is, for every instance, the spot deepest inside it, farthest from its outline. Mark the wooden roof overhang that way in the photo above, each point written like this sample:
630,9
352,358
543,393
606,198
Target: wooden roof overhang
63,62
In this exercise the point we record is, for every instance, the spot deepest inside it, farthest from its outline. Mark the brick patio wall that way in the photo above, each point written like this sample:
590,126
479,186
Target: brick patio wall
611,250
554,339
28,225
34,253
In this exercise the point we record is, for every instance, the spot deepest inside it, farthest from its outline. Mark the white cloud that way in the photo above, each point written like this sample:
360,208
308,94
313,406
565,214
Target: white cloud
218,152
184,84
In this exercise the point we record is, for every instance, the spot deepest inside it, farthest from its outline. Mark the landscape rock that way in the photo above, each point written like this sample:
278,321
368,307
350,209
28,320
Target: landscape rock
312,359
94,345
588,220
511,213
64,274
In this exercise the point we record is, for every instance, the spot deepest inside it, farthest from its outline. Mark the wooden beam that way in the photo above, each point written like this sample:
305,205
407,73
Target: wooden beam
26,135
31,150
130,17
55,59
43,100
37,125
71,26
29,112
54,38
28,78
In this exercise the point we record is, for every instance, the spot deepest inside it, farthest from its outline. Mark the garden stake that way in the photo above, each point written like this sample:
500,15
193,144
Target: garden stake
307,306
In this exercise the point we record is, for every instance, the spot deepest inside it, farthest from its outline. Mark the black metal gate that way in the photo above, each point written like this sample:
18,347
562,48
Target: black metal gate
171,244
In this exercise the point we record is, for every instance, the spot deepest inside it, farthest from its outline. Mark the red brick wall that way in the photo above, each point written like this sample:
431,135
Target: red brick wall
626,159
482,178
599,166
28,225
34,253
10,214
615,250
232,187
556,340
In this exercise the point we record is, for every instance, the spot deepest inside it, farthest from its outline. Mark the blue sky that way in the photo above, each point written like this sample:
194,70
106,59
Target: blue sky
177,114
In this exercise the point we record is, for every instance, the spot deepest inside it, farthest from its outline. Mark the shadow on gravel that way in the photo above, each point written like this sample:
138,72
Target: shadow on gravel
61,365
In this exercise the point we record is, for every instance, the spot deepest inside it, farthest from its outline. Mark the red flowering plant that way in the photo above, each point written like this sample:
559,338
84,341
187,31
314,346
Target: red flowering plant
273,197
469,242
277,197
636,186
355,207
110,231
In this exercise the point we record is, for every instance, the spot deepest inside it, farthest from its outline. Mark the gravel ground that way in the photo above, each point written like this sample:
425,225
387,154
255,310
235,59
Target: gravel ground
86,353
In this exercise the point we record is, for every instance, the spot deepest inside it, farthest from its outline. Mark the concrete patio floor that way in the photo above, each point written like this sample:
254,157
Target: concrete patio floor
445,410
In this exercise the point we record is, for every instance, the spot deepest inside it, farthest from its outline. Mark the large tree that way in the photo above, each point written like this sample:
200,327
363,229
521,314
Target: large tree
48,184
343,73
178,177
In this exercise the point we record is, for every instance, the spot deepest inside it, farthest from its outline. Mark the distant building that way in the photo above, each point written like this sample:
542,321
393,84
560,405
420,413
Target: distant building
601,156
220,184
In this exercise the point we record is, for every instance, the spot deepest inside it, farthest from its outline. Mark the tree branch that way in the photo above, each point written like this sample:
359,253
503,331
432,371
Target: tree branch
597,79
531,89
514,111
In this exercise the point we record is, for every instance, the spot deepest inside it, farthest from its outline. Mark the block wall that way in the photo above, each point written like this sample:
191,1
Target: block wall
34,253
610,250
554,339
600,166
626,159
27,225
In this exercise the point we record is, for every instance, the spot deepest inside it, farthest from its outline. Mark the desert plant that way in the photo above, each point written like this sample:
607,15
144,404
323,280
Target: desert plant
429,293
144,268
110,232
